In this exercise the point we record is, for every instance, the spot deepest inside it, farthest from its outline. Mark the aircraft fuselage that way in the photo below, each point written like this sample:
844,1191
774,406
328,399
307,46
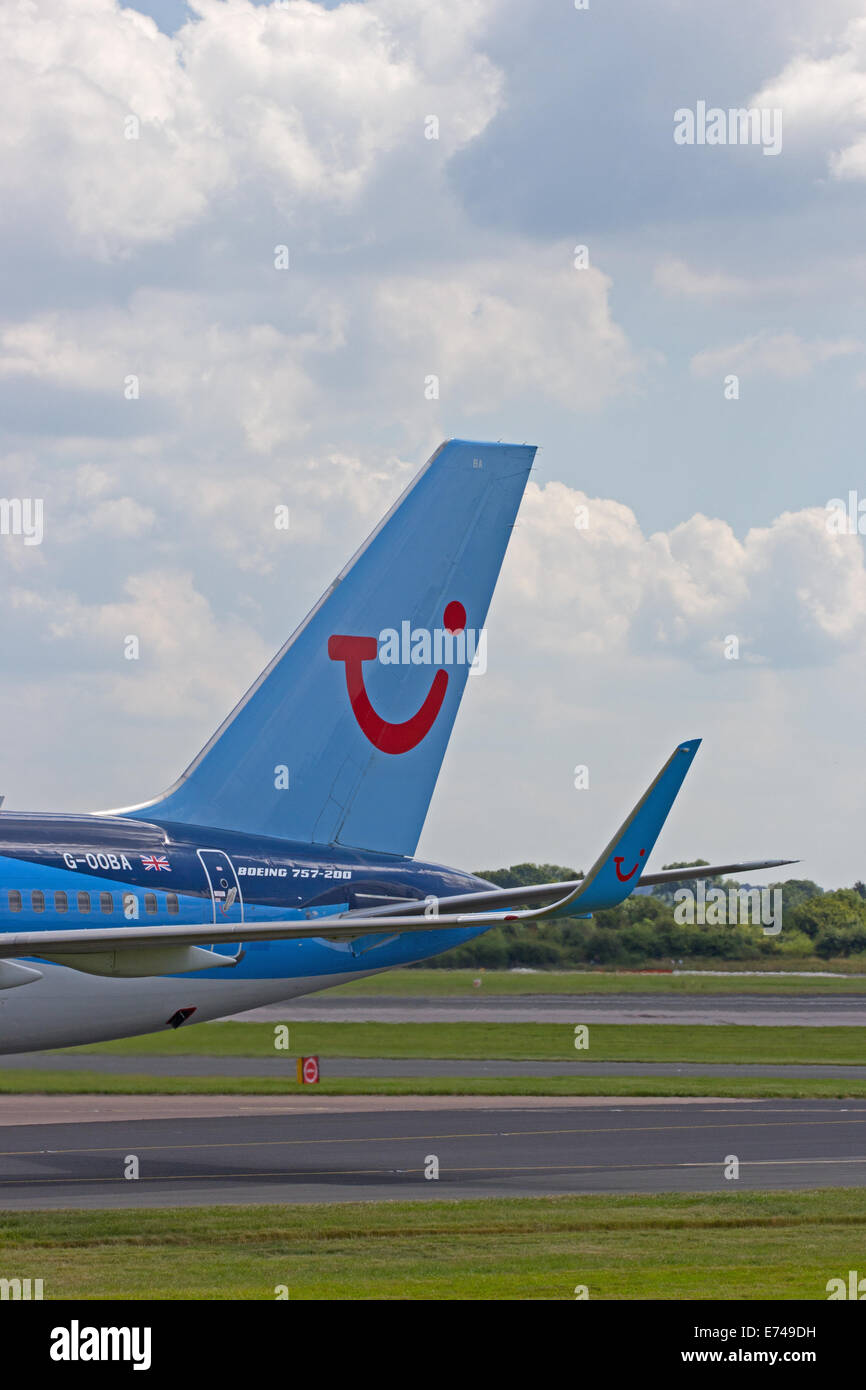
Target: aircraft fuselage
78,870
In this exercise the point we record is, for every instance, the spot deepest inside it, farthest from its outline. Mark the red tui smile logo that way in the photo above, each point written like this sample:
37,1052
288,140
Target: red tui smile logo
617,863
388,737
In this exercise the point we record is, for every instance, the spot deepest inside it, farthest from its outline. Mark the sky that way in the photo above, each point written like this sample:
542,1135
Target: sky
694,376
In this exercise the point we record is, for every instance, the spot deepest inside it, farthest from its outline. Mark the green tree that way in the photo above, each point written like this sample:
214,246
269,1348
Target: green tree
828,913
642,929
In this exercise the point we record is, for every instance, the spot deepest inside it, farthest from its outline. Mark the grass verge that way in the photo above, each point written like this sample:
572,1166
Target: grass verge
27,1082
608,1042
458,983
730,1246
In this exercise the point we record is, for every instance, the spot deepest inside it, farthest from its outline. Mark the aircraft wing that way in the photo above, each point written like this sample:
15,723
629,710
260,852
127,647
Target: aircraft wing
549,892
142,949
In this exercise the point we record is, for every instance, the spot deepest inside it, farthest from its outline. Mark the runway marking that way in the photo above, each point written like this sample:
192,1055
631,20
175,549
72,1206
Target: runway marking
418,1138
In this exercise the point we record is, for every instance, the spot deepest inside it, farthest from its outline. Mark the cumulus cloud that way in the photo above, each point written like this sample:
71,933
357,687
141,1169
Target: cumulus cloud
303,103
582,575
486,330
259,123
824,101
180,672
490,330
166,346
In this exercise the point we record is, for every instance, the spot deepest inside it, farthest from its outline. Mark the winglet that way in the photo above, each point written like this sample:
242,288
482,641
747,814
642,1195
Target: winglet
618,868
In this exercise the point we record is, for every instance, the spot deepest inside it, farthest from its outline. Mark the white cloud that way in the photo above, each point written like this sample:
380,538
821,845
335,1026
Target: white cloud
607,648
211,372
495,329
294,100
793,593
676,277
522,324
784,355
182,672
824,101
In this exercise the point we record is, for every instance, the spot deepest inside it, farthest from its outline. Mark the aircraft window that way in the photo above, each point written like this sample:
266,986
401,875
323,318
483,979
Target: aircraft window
171,902
150,902
37,900
14,900
61,902
106,902
83,902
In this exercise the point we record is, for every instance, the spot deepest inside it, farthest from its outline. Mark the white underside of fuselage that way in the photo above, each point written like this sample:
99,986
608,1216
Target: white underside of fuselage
67,1007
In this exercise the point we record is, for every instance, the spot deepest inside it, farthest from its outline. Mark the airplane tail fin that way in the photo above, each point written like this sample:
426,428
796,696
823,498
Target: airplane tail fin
341,738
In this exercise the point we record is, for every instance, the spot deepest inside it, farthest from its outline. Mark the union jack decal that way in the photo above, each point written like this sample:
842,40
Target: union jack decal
155,861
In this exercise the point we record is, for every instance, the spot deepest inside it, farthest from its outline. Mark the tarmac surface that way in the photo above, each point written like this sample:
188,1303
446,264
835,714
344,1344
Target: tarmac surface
349,1151
766,1010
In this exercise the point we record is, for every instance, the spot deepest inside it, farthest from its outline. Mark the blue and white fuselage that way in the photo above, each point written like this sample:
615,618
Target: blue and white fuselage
129,871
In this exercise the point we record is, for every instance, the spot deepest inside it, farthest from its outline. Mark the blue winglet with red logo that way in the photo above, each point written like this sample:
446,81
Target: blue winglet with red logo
616,871
341,738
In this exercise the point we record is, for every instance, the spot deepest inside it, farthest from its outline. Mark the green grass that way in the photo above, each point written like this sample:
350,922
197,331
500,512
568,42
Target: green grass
728,1245
99,1083
458,983
608,1042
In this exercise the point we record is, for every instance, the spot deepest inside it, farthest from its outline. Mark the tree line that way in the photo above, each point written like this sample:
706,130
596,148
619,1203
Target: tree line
643,931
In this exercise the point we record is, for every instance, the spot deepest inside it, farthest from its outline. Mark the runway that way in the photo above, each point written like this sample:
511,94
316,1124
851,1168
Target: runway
352,1152
763,1010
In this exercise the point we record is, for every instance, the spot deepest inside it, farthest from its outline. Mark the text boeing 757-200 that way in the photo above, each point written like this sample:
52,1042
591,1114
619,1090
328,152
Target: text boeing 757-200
282,861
